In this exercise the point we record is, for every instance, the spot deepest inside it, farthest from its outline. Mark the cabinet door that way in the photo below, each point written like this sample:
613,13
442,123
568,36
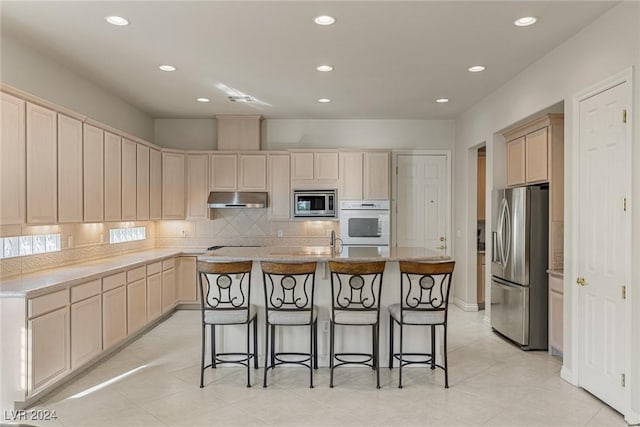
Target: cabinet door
326,166
537,151
155,184
129,176
114,316
136,305
48,342
93,161
556,322
70,193
42,174
481,185
112,177
253,172
480,274
302,166
352,174
376,176
154,296
142,182
12,160
173,184
168,289
223,172
187,280
279,187
197,186
515,162
86,330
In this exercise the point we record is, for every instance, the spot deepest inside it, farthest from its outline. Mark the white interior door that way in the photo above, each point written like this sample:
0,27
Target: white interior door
603,243
423,202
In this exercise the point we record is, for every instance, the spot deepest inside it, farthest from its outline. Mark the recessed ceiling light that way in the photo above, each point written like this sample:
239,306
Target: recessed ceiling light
203,99
324,20
324,68
116,20
324,100
167,67
525,21
476,68
442,100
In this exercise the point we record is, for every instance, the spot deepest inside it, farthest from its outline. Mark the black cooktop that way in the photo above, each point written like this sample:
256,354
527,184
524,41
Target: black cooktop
213,248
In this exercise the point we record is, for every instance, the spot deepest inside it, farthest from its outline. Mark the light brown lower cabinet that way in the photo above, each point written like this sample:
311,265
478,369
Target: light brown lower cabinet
154,291
187,280
114,316
86,330
556,312
48,341
136,305
168,285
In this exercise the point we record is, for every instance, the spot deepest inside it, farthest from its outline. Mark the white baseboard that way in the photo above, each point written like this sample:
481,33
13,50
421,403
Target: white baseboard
567,375
464,306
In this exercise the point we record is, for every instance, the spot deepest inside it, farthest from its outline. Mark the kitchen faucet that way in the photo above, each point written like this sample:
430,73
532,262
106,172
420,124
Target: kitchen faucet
332,243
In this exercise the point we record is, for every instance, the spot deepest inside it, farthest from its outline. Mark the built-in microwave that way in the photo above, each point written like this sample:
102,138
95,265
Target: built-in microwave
314,204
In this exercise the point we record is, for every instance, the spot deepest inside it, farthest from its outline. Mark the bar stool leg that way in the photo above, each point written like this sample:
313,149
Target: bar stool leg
204,327
255,343
373,346
249,354
433,347
446,365
391,325
273,346
332,331
315,344
213,346
266,352
311,344
401,359
376,350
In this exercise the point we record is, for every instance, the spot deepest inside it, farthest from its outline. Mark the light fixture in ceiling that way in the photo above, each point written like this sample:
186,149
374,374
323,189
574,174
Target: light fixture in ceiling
116,20
476,68
324,100
324,68
203,99
525,21
442,100
167,67
324,20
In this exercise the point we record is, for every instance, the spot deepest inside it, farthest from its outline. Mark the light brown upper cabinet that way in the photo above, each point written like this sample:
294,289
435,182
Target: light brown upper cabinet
173,185
197,186
93,161
129,176
365,175
242,172
535,154
239,132
112,177
314,169
142,182
279,189
12,160
70,193
42,179
155,184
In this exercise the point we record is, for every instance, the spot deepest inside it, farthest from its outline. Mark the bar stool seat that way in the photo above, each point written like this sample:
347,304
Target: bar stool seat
292,317
230,317
355,318
416,317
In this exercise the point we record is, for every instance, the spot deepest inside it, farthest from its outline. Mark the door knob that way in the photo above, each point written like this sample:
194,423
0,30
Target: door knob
442,239
441,247
580,281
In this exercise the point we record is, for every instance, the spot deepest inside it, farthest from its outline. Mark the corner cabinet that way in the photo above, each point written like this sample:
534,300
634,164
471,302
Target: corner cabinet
173,185
129,176
197,186
142,183
93,161
112,177
12,160
155,184
70,192
365,175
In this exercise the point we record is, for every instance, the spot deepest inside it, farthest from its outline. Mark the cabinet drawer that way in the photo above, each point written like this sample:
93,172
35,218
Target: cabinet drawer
85,290
112,282
136,274
154,268
47,303
168,263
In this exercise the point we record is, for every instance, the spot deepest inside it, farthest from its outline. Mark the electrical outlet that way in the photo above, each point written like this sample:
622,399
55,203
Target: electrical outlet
183,233
279,233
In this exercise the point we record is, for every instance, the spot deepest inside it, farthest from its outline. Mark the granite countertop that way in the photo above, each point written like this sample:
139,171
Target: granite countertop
51,280
320,254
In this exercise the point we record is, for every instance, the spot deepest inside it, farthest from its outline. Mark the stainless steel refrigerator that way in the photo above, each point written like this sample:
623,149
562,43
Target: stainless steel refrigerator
519,259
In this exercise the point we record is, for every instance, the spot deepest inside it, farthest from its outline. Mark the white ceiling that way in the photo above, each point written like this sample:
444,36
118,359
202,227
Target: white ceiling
391,59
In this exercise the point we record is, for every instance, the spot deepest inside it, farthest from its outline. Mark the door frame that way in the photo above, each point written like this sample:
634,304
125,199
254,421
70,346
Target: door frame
394,190
572,374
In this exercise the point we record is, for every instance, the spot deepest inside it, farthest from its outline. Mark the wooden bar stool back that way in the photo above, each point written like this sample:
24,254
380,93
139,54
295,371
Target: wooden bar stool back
289,291
225,299
355,301
424,296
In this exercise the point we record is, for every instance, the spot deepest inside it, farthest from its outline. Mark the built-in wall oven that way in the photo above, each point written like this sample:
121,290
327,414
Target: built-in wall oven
314,204
364,224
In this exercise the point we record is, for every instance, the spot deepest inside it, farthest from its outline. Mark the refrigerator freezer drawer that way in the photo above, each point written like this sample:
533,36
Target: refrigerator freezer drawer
510,310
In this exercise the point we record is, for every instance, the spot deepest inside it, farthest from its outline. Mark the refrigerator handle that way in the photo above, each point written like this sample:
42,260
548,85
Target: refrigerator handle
507,241
494,247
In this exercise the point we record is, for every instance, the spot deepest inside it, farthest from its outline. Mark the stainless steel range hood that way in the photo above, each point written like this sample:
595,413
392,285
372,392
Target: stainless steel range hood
236,199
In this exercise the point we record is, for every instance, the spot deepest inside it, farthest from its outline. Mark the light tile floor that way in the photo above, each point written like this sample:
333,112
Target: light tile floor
154,382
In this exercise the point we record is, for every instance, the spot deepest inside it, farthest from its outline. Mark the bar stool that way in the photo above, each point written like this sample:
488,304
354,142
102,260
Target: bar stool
355,301
225,300
424,296
289,291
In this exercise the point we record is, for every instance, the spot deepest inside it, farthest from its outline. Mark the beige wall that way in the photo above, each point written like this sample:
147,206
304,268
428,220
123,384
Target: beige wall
607,47
31,71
